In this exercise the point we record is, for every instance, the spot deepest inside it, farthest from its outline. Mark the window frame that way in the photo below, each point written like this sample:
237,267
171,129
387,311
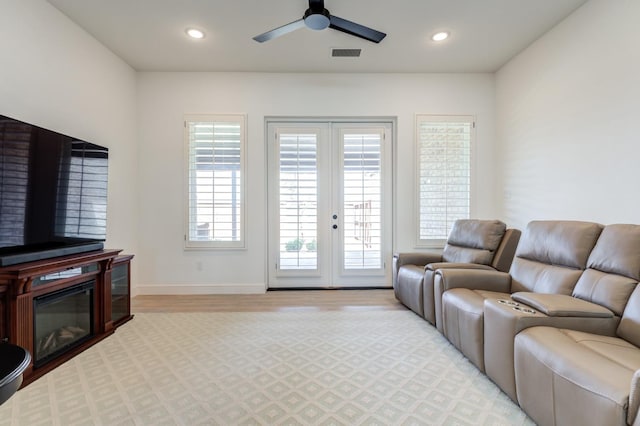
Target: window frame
437,118
239,244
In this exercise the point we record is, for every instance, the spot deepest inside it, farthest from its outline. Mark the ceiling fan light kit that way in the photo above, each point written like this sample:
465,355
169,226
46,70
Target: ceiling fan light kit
317,21
316,17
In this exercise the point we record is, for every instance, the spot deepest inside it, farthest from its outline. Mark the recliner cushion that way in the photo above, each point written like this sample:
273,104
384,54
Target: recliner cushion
456,254
529,275
609,290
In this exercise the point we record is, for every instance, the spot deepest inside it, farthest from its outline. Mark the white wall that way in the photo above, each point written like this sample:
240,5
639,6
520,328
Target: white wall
163,99
53,74
563,113
567,111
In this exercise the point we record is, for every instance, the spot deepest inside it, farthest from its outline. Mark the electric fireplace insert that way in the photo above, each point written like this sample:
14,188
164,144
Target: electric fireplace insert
62,320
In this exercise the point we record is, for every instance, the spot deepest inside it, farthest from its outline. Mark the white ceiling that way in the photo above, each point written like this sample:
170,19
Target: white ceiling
150,34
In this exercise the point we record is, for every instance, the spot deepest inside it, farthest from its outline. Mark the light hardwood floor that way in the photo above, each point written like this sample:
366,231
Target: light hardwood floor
271,301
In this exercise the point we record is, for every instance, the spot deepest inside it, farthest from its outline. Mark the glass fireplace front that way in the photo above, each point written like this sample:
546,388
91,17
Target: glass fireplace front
62,320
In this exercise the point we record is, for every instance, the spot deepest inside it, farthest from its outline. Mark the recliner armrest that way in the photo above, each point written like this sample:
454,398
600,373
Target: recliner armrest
473,279
561,305
421,259
452,265
416,258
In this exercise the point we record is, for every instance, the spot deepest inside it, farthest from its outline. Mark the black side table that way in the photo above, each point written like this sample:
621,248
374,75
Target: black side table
13,361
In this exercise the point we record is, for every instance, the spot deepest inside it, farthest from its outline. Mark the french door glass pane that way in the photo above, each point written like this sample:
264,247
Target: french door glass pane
362,200
298,201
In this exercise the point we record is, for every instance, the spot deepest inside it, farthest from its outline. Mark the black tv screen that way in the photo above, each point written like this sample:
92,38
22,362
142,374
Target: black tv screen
53,193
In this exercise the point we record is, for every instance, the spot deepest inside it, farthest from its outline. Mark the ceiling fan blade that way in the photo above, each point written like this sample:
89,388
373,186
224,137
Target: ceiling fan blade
277,32
356,29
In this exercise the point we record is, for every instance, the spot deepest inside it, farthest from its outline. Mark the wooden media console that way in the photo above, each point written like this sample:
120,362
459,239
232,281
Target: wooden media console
57,308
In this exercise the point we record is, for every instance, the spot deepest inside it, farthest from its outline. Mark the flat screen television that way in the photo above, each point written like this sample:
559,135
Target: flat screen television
53,193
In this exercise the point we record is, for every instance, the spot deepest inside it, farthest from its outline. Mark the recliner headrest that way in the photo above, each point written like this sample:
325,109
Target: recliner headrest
557,242
475,233
617,251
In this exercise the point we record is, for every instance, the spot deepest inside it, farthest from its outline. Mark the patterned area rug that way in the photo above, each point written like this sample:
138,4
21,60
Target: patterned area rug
285,368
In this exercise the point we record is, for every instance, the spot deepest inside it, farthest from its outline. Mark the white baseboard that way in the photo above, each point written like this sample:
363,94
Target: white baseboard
188,289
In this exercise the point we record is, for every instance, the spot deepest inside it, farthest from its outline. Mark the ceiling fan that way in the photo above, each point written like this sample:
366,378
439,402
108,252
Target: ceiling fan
319,18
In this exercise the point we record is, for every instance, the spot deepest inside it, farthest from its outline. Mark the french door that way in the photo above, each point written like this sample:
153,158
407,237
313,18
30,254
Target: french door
329,195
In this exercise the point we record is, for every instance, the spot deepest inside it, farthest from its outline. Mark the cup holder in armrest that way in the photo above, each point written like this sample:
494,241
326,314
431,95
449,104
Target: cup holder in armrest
508,302
525,310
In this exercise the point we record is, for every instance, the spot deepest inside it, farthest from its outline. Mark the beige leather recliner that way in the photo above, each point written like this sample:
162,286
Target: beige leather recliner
595,306
567,377
550,258
472,243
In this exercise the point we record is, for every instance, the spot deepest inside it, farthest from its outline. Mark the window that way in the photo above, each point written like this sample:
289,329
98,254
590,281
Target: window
444,145
215,190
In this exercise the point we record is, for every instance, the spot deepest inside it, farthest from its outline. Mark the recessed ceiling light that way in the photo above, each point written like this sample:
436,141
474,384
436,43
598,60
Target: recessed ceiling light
440,36
195,33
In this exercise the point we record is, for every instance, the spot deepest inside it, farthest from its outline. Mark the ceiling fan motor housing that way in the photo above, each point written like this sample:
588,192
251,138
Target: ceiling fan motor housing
316,17
317,20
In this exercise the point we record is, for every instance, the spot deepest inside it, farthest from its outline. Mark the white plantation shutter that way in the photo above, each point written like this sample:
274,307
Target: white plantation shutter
298,196
444,145
362,198
215,164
